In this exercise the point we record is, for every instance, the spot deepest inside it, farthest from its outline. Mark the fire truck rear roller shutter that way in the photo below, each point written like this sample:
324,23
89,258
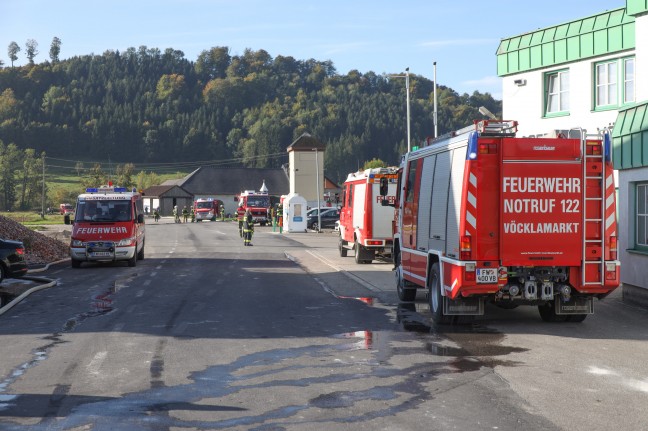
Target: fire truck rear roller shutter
454,200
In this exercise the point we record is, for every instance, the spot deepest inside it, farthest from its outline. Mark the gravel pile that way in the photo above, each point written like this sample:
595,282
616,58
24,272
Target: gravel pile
39,249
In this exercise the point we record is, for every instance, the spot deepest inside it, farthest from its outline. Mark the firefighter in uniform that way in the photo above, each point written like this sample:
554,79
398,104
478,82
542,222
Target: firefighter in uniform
280,217
176,214
185,213
248,228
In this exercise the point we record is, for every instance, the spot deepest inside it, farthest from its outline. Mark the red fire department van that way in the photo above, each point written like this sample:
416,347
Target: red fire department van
207,209
482,215
108,226
365,223
258,203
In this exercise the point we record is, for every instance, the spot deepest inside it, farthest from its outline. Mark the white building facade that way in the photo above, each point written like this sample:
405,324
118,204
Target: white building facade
592,73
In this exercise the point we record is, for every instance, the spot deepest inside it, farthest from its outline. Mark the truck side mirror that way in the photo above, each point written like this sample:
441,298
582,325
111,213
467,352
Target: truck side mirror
140,218
384,186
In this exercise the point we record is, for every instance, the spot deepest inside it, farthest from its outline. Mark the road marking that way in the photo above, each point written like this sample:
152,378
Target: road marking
95,363
147,282
159,267
343,271
154,273
139,293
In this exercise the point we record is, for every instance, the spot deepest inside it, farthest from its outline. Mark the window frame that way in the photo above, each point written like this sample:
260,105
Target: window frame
641,192
557,77
620,97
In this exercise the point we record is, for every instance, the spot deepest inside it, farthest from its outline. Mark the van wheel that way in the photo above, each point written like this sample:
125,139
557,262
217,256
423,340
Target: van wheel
404,294
140,254
341,246
2,273
359,253
133,260
436,299
548,313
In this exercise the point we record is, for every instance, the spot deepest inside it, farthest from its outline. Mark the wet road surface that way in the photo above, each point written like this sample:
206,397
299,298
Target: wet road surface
206,334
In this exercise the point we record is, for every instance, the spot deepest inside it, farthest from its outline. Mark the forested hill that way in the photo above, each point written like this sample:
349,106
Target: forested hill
145,106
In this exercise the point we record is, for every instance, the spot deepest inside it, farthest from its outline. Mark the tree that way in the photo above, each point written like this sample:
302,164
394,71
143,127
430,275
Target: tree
30,179
8,104
169,86
55,49
9,160
31,49
374,163
13,51
124,174
95,177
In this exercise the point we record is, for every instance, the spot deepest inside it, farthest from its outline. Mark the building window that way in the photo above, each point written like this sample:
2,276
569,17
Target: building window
641,240
615,83
557,91
628,80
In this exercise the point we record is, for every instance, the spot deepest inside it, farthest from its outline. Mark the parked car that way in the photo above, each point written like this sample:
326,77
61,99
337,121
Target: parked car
12,259
328,218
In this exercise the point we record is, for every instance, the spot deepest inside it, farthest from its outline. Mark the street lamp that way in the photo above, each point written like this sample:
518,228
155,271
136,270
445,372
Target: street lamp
407,90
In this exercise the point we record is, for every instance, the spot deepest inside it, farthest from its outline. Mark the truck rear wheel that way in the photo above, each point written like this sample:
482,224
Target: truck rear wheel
436,299
404,294
341,246
133,260
548,313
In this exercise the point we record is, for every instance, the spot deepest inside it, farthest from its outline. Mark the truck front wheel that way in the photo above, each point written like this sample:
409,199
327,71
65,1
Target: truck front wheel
342,248
435,298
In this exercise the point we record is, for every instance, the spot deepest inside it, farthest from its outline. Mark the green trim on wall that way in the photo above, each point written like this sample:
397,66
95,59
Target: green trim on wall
601,34
630,137
637,7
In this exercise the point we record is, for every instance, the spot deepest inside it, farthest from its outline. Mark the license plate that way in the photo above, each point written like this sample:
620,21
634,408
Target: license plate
487,275
101,254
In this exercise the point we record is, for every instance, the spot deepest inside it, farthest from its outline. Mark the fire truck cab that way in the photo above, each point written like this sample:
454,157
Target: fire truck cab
483,215
258,203
207,209
108,226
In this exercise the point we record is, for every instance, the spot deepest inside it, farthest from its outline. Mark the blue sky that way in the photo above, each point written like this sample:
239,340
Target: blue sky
462,36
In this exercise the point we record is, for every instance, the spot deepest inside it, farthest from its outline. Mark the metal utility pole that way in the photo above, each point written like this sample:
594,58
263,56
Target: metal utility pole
436,123
43,192
319,213
407,89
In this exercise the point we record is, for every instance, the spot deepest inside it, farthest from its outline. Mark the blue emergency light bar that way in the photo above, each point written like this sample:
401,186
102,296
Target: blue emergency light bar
92,190
607,147
471,154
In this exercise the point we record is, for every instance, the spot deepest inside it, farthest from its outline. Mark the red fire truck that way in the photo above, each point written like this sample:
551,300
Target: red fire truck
258,203
365,223
108,226
484,215
207,209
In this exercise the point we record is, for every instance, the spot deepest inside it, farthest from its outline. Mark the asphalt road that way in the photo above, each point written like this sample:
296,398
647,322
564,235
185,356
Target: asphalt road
205,334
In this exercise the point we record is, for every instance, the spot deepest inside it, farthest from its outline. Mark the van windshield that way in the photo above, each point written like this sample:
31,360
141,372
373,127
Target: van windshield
103,211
